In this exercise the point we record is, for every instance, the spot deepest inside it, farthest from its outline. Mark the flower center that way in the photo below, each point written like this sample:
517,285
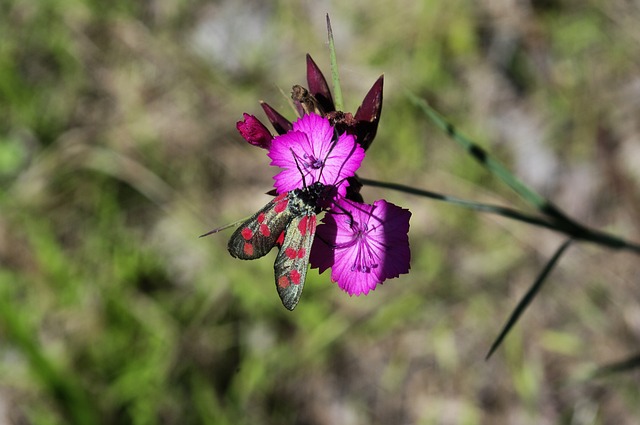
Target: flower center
365,259
313,162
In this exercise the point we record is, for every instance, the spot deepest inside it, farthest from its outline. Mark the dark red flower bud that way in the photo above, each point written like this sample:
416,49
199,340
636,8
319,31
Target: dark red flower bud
279,123
254,132
318,86
368,114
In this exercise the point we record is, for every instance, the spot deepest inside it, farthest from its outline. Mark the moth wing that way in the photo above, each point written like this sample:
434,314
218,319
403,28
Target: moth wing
259,234
292,261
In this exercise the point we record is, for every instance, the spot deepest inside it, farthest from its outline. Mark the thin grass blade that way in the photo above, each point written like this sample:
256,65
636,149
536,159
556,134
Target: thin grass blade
625,365
528,297
482,156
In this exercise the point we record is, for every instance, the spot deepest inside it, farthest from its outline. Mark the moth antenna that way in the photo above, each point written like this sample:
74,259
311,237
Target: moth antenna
295,158
324,160
226,226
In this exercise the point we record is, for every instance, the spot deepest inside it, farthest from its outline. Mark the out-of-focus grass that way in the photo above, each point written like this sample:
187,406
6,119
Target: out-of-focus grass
118,147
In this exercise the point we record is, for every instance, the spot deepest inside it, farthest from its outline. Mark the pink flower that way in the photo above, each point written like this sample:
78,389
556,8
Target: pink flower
311,153
362,244
254,132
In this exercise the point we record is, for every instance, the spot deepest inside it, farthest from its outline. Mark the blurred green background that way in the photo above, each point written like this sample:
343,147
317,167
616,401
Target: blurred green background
118,148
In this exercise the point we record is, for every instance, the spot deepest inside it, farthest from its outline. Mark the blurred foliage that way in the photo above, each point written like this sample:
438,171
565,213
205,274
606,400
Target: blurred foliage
118,148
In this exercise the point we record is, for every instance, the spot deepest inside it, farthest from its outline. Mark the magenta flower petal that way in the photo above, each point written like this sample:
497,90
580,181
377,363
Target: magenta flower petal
254,132
363,244
309,153
317,128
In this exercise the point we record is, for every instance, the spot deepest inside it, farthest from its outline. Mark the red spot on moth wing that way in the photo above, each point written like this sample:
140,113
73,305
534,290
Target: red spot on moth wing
283,282
312,225
281,203
291,253
247,233
248,249
263,236
307,224
302,225
264,230
295,277
293,259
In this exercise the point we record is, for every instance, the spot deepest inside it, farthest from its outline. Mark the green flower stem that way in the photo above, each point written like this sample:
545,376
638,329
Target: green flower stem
573,230
493,209
335,76
557,219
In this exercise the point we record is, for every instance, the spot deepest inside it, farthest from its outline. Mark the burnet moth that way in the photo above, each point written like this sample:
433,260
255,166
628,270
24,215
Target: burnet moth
289,222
